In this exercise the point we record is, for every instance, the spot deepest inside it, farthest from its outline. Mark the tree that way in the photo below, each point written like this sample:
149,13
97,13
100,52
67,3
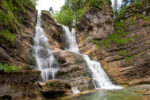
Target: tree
51,10
115,8
124,3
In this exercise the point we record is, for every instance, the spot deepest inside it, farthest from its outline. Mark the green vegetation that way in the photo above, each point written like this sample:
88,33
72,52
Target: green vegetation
45,12
6,34
118,37
123,53
130,57
65,17
111,39
8,68
139,16
10,19
132,7
75,9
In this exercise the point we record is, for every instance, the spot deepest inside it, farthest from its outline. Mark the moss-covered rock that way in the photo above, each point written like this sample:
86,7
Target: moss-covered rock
17,21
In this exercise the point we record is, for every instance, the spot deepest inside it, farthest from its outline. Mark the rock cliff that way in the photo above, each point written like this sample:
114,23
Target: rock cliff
17,21
124,53
96,24
128,63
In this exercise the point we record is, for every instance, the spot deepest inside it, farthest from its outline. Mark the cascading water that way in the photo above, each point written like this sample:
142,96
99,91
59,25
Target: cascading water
71,40
45,59
100,78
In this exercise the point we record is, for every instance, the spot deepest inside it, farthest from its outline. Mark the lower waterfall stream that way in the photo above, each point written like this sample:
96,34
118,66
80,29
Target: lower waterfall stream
100,78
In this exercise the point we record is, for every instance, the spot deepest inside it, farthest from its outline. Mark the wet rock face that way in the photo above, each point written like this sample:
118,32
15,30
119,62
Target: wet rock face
74,69
54,31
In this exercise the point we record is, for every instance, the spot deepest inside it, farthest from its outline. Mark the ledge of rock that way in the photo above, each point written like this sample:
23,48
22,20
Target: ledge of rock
55,88
19,85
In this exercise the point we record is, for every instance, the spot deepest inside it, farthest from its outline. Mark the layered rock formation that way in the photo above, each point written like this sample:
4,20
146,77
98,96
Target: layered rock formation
19,85
129,63
125,53
24,85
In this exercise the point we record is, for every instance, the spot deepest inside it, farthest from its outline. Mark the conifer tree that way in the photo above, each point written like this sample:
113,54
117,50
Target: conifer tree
115,8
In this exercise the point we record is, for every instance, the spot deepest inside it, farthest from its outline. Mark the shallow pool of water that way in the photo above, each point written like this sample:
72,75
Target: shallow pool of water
124,94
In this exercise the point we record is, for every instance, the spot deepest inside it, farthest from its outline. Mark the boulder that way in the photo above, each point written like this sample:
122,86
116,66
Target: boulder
55,88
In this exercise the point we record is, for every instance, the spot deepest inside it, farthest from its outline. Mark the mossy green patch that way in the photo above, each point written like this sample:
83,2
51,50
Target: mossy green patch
139,16
130,57
123,53
8,68
6,34
46,13
11,17
118,37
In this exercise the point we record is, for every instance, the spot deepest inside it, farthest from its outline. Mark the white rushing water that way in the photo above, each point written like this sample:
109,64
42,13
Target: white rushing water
75,90
100,78
71,40
45,59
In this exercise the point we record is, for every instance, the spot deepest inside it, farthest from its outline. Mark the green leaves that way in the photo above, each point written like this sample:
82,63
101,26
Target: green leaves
75,9
65,17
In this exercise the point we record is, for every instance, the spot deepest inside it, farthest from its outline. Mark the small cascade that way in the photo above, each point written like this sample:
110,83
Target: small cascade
75,90
71,40
100,78
45,59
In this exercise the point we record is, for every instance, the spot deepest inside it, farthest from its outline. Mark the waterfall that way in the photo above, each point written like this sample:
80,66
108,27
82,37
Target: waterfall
75,90
71,40
45,59
99,77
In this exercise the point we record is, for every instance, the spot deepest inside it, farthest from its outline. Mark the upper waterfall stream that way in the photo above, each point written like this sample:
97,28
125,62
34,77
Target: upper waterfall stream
100,78
45,59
